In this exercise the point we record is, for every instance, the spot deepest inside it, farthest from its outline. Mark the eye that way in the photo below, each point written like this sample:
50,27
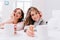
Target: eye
14,14
36,13
32,14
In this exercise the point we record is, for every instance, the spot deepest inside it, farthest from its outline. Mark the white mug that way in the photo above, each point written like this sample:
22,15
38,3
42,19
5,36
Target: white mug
42,33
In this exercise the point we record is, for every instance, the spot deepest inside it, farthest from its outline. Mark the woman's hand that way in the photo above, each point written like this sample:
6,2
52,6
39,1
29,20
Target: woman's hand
30,31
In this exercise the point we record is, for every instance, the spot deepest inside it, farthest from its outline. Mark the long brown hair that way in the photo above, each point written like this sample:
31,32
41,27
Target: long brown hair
22,14
29,20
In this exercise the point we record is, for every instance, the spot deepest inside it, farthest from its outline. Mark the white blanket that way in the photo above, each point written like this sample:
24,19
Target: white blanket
7,34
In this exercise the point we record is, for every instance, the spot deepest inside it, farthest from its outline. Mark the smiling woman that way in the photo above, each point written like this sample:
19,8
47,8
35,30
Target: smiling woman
33,18
16,18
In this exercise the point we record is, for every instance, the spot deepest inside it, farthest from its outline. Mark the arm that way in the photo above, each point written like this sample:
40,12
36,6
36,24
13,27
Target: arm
5,22
2,25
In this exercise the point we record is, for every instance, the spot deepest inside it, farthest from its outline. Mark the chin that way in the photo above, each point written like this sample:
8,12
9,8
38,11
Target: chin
35,20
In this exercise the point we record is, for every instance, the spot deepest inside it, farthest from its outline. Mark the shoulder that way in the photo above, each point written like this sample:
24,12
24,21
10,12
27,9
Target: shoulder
21,22
20,25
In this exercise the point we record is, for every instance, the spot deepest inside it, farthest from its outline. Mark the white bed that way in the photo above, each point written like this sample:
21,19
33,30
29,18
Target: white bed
41,34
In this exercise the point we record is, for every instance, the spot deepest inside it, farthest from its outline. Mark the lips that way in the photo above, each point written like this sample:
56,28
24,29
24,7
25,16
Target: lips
16,15
35,18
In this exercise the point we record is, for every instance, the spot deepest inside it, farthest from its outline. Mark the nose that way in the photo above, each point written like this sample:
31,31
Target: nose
35,16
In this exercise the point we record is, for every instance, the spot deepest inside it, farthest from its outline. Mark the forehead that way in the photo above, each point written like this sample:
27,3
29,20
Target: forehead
18,11
33,12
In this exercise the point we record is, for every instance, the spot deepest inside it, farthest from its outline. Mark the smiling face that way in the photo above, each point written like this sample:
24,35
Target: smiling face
17,14
35,15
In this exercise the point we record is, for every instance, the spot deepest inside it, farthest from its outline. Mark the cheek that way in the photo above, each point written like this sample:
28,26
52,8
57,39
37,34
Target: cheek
14,14
38,16
32,17
20,16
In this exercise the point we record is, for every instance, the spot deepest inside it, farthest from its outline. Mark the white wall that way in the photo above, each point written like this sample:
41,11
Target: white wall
52,5
47,6
7,9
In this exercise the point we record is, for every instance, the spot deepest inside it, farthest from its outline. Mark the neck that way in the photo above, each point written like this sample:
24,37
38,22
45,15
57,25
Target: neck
15,21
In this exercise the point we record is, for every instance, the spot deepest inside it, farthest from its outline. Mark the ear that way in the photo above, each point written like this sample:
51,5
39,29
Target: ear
40,14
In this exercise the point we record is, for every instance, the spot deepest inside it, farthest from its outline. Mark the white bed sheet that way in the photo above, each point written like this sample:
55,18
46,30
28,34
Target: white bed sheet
21,35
